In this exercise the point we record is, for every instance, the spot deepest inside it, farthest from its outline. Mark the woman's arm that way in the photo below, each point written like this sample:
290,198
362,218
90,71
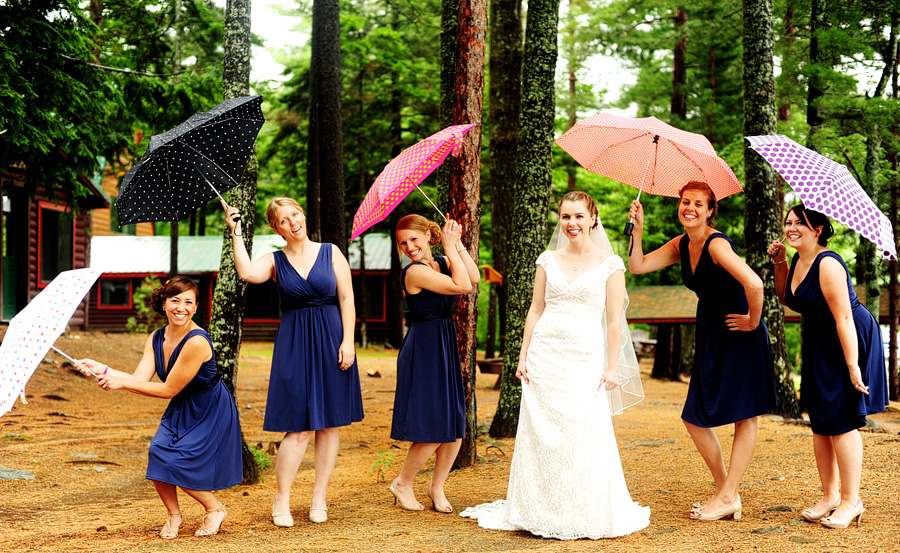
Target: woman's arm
194,353
144,372
535,310
833,281
615,304
723,256
347,351
662,257
471,267
254,272
778,252
420,277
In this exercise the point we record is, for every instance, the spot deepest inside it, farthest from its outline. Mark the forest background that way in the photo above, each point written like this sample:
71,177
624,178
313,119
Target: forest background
367,78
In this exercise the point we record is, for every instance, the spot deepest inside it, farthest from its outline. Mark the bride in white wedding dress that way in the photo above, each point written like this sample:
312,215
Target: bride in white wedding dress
566,480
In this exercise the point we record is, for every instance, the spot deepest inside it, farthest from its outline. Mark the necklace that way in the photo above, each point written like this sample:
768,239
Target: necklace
574,267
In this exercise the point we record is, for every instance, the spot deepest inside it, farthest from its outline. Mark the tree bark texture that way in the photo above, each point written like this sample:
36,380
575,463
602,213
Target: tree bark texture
817,58
532,197
449,51
894,286
662,358
679,74
869,259
763,198
230,291
505,100
326,21
464,193
313,163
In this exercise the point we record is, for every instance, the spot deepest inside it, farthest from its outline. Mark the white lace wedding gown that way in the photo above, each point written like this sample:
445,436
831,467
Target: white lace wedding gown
566,480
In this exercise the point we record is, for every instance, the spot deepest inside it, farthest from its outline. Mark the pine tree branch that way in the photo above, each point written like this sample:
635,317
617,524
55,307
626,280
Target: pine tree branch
116,69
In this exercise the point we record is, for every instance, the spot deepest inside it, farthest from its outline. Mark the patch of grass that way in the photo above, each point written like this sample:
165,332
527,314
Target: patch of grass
263,461
15,438
384,462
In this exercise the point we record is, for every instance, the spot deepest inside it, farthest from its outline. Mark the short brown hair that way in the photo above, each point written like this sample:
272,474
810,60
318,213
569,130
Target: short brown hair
174,286
710,199
280,201
579,196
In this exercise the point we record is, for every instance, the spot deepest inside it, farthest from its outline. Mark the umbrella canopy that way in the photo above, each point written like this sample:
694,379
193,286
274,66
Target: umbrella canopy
191,164
828,187
33,331
647,154
404,173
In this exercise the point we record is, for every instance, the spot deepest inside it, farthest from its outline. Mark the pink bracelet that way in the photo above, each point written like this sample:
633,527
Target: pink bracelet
106,369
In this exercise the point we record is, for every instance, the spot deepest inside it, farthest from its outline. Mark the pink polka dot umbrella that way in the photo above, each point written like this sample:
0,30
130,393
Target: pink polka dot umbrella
404,173
647,154
33,331
827,187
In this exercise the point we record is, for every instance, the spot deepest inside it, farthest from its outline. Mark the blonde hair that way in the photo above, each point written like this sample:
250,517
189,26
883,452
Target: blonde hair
279,201
419,224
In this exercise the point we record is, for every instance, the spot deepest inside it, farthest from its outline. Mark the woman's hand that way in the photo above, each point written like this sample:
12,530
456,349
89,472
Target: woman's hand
232,216
636,213
777,251
521,371
89,367
856,379
346,355
450,235
609,380
739,322
109,381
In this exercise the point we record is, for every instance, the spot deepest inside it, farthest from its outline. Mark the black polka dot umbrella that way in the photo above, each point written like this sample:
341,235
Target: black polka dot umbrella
191,164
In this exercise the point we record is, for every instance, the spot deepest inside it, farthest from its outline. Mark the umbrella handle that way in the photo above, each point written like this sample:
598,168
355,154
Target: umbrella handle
629,227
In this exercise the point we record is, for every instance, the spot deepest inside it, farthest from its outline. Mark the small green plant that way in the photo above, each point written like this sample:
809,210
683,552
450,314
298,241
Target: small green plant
384,462
145,319
263,461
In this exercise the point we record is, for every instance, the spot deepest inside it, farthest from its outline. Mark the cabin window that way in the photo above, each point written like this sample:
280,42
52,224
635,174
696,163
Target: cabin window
115,294
56,241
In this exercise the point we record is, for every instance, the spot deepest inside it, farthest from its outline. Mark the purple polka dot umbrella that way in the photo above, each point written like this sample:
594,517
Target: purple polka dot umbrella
827,187
33,331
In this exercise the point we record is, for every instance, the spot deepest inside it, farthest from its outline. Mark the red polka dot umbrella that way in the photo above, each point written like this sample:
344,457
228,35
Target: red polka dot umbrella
647,154
827,187
404,173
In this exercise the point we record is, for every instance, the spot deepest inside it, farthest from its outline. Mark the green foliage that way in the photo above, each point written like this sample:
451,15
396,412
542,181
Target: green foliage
384,462
263,461
145,319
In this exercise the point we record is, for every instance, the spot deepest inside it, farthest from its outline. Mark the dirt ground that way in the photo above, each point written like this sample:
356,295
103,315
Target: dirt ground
88,451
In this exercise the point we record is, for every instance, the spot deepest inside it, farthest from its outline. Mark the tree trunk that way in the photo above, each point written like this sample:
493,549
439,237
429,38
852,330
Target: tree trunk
687,349
868,261
505,101
326,22
894,287
679,73
817,58
230,291
173,249
490,340
763,198
532,195
363,177
313,162
465,192
662,358
395,302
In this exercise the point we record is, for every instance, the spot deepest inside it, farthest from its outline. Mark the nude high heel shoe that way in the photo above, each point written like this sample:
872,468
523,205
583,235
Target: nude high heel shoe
733,510
855,513
416,507
282,520
318,514
442,509
205,530
815,516
167,533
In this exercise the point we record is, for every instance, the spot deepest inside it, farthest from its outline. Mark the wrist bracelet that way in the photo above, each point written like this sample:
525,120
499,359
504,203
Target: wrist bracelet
106,369
780,262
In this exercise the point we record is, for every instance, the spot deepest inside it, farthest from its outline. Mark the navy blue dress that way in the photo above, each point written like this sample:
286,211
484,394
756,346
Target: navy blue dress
307,388
732,378
429,405
198,443
834,405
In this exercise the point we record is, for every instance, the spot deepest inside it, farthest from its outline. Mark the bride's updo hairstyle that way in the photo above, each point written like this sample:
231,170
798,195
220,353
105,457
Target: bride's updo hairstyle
419,224
585,198
813,220
710,199
280,201
174,286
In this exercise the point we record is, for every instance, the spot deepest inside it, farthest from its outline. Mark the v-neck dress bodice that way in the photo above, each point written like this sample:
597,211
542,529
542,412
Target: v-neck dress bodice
307,388
198,443
429,404
732,378
834,405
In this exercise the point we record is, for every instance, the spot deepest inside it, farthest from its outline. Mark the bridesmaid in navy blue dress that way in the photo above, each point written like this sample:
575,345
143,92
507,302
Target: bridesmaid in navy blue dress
732,380
429,405
843,378
198,444
314,383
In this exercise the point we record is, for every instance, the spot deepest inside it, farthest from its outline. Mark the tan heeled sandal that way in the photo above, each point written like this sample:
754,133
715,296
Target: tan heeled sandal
205,530
166,531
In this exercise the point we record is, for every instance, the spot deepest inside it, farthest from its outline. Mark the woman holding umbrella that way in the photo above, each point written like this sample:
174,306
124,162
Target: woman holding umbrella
732,379
198,444
314,383
842,375
429,406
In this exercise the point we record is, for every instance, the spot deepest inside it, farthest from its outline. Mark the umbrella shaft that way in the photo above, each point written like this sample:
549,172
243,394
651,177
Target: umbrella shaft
432,203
